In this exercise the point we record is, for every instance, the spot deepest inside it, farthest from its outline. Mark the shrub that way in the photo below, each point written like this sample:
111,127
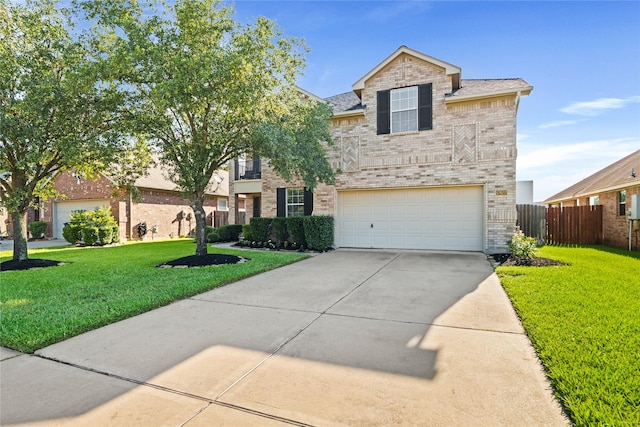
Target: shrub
208,229
260,228
318,231
37,229
90,235
95,227
246,232
72,233
105,234
279,230
522,246
295,227
213,236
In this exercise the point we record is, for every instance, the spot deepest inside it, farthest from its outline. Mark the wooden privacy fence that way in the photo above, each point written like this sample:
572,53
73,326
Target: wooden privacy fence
576,225
532,221
220,218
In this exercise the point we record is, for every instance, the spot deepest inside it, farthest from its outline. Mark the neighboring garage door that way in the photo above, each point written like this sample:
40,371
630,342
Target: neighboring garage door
447,218
62,212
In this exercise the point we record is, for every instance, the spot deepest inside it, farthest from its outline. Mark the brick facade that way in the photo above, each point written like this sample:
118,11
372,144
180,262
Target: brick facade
472,142
161,208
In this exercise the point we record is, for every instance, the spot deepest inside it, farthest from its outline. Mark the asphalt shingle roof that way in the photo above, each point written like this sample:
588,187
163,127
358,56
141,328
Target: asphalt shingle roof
347,101
616,175
471,87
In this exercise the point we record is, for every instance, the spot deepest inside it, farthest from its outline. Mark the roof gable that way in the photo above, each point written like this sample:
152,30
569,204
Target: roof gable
450,69
613,177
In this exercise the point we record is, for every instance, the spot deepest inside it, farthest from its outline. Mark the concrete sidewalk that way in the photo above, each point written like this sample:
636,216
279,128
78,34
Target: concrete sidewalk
349,337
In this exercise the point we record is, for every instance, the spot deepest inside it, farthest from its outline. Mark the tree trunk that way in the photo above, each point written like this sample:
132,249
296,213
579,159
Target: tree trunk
19,220
200,231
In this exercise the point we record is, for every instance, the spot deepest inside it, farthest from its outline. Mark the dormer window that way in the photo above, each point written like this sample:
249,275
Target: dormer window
406,109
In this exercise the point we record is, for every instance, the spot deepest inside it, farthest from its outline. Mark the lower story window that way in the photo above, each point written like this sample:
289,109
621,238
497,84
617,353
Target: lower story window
295,202
594,201
622,203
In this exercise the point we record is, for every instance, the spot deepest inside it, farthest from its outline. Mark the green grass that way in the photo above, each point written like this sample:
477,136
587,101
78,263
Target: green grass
100,286
584,321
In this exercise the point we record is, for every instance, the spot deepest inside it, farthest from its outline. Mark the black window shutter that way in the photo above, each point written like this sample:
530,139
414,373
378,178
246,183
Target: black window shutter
425,109
308,202
281,202
384,112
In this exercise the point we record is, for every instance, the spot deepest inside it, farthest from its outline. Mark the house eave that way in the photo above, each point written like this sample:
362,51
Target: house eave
485,95
343,114
596,192
449,68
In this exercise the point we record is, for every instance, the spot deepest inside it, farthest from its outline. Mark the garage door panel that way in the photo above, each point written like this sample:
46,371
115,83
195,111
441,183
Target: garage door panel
63,210
428,218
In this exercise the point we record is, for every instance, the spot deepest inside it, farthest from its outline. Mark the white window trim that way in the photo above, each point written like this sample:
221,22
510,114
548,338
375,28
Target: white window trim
299,203
414,93
222,208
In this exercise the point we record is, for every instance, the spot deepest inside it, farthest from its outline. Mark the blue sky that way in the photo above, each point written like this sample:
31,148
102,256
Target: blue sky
583,59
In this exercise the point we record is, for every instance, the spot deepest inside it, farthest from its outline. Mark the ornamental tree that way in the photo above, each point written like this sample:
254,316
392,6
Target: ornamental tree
208,89
56,110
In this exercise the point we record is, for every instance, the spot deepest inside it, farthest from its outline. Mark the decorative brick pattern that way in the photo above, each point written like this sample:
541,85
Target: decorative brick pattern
471,143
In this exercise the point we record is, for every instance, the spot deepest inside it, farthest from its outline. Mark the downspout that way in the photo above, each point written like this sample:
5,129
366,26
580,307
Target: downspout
518,95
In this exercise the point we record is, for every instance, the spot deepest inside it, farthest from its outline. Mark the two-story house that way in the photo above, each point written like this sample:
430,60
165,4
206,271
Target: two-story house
424,160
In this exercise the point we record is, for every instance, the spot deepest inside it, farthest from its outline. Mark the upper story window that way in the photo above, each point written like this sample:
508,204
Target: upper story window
622,203
222,204
405,109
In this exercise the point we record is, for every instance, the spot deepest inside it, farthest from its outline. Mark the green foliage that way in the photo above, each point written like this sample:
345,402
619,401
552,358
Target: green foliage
246,232
583,321
522,246
95,227
90,235
260,228
279,230
225,233
72,233
37,229
58,110
295,227
98,288
318,232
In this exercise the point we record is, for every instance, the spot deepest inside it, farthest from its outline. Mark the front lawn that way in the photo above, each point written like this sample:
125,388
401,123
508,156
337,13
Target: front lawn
99,286
584,321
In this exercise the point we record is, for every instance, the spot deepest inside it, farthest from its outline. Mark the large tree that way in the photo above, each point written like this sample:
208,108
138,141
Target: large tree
210,89
56,111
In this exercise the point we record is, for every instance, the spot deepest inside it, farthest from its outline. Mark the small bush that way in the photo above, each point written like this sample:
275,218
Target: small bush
279,230
37,229
208,229
105,234
72,233
522,246
246,232
318,231
213,236
295,227
260,228
115,230
90,235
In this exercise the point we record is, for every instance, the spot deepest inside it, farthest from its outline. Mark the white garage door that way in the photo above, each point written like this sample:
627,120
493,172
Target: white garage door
62,212
448,218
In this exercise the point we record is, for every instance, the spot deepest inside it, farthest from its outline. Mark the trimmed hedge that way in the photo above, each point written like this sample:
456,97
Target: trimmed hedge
260,228
37,229
295,227
224,233
314,232
318,231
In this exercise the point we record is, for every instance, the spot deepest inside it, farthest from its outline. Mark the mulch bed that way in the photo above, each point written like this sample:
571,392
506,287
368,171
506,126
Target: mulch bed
12,265
202,261
510,260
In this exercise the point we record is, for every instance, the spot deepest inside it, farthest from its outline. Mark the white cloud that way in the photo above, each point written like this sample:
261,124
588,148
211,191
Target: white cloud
599,106
558,123
556,167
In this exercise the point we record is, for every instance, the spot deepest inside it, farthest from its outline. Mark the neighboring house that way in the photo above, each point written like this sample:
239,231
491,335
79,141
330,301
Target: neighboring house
424,160
161,206
613,188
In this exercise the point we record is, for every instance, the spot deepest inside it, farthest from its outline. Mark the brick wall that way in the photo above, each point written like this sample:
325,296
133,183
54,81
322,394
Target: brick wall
157,207
616,227
471,143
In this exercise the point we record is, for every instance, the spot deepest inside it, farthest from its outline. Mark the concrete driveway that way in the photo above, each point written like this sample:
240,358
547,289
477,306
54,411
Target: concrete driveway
350,337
